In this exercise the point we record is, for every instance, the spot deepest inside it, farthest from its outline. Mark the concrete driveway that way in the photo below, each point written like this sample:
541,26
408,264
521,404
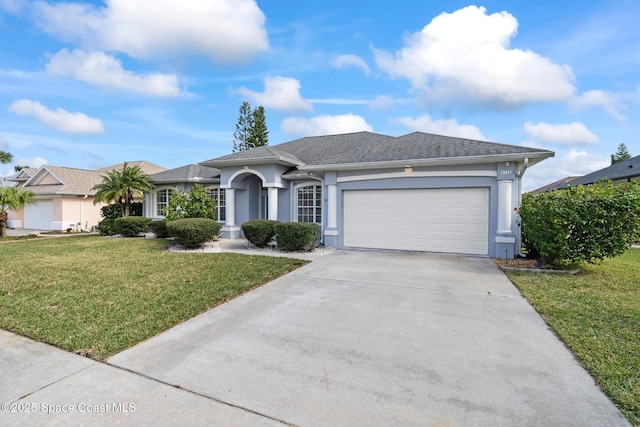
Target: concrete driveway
372,338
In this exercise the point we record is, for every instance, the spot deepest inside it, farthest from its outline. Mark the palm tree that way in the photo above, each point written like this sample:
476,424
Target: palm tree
5,157
122,186
13,198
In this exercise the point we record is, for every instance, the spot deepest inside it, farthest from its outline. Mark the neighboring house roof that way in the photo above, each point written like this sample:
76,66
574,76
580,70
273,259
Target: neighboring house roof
622,171
146,167
52,180
188,173
366,150
554,185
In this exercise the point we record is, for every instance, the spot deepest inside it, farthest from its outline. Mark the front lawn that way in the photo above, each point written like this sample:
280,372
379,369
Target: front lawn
97,296
597,314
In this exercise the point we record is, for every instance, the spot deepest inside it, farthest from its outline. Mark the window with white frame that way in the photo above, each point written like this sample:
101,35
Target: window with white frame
309,204
219,196
162,200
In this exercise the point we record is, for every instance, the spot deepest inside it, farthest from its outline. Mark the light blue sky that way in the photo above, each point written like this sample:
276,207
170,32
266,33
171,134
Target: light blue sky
96,83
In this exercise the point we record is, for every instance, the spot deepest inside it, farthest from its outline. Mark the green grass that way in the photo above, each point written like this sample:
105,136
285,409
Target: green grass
597,314
97,296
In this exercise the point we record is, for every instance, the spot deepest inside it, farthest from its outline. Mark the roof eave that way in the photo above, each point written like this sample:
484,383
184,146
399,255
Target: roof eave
219,164
444,161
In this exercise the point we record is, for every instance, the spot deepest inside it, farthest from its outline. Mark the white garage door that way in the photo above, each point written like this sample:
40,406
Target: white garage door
39,216
453,220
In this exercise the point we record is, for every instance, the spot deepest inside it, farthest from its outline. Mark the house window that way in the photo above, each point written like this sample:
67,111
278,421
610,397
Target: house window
219,196
162,201
264,204
310,204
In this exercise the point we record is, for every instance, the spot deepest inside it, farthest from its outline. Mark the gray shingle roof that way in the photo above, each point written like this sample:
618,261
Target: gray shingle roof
420,146
620,171
367,147
71,181
188,173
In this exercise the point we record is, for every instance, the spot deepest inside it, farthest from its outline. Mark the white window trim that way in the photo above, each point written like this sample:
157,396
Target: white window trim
154,204
294,205
219,189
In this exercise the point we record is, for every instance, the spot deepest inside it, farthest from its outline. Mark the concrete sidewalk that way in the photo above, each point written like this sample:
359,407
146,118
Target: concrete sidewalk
43,385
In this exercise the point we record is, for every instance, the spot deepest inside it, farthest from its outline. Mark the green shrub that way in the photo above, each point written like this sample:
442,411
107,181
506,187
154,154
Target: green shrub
131,226
581,223
159,227
297,236
193,204
259,231
107,227
193,232
115,210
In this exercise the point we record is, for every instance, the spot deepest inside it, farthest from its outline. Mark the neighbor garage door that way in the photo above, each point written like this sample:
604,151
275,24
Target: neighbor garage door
39,216
454,220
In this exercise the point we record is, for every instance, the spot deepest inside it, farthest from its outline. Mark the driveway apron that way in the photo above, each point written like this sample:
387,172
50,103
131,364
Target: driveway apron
377,338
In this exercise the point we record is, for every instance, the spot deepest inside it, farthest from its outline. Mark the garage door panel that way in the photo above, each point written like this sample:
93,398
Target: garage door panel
39,216
435,220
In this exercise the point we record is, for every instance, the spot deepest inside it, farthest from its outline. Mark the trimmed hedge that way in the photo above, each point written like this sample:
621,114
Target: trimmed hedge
131,226
193,232
297,236
259,232
581,223
159,227
107,227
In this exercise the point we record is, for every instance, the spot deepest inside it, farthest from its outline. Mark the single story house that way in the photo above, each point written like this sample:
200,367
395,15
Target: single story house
624,171
64,196
417,192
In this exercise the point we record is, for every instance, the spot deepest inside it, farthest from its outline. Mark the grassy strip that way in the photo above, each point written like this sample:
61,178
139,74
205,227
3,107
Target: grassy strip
98,296
597,314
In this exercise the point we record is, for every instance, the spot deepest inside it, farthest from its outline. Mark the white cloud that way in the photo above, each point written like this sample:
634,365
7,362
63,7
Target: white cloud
573,163
384,102
350,60
12,6
448,127
325,125
227,31
59,119
106,71
465,57
280,93
3,142
598,98
575,133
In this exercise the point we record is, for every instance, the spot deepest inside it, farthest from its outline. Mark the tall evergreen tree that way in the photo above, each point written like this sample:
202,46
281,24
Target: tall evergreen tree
242,133
259,132
621,155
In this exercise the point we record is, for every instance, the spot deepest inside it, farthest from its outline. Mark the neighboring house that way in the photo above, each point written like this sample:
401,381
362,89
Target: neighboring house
625,171
417,192
554,185
182,179
64,197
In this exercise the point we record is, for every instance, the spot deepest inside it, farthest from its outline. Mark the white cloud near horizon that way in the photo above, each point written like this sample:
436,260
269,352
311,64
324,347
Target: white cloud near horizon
465,57
572,163
227,31
575,133
58,119
106,71
608,101
280,93
325,125
447,127
350,60
34,162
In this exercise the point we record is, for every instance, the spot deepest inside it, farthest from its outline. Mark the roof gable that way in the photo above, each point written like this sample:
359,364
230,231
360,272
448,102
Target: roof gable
63,180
